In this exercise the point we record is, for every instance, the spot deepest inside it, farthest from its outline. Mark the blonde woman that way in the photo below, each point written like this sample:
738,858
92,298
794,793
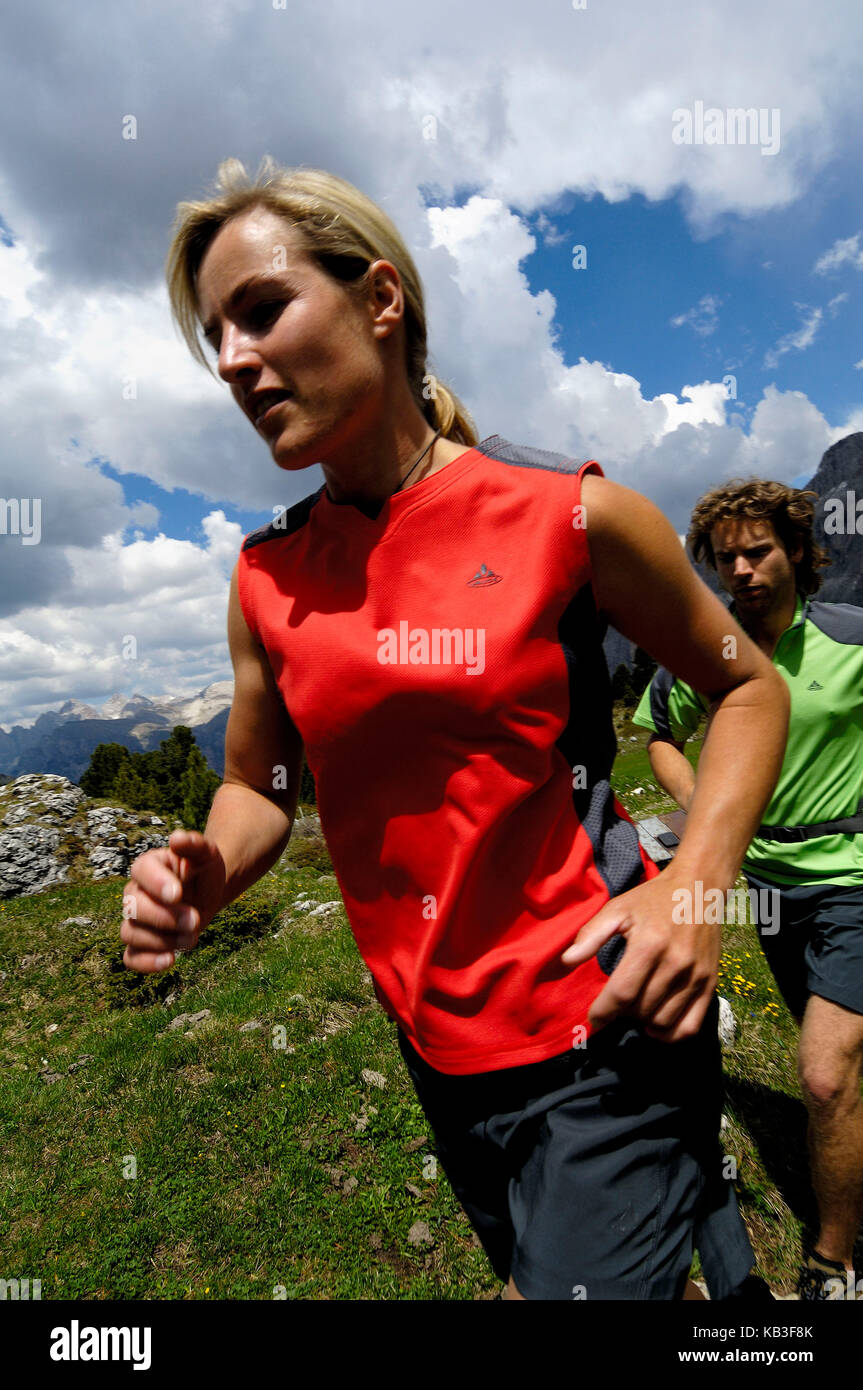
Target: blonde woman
428,625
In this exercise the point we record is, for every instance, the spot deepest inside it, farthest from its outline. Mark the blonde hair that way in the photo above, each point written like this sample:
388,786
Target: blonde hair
343,231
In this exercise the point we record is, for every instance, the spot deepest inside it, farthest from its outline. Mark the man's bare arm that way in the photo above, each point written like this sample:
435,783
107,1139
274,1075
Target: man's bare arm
671,768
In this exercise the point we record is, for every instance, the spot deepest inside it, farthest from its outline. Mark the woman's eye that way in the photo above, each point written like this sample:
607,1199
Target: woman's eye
266,311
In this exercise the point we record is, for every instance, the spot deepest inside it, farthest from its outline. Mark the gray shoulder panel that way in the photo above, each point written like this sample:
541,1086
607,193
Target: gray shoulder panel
660,689
842,622
524,456
285,523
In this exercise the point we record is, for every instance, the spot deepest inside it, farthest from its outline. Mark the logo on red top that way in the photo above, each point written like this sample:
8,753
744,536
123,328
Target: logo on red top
483,577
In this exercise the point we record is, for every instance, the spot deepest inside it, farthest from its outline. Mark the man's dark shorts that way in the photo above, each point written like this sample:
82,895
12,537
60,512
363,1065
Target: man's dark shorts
591,1175
818,948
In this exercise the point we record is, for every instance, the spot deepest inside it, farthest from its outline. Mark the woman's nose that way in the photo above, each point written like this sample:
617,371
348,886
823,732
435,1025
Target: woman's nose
235,353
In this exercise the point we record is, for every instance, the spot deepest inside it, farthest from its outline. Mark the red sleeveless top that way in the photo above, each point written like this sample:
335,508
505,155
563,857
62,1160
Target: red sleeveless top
443,664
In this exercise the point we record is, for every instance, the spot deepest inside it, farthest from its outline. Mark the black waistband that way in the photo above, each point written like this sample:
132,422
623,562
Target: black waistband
791,834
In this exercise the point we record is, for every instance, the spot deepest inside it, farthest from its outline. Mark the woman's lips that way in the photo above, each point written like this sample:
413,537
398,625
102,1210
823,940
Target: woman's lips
262,419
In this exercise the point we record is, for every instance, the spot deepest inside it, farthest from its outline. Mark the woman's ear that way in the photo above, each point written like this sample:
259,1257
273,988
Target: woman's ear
386,298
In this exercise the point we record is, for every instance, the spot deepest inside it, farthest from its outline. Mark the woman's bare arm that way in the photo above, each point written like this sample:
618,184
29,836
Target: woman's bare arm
644,583
249,823
253,811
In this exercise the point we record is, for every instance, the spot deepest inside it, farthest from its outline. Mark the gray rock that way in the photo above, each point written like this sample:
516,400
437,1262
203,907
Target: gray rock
325,909
305,826
83,1059
373,1078
362,1120
28,862
47,826
727,1023
419,1234
183,1019
108,863
250,1026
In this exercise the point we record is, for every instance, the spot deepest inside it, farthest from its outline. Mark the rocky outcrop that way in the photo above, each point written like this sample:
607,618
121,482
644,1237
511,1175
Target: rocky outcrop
51,833
839,479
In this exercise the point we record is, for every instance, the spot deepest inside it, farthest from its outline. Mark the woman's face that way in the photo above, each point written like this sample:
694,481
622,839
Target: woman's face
281,324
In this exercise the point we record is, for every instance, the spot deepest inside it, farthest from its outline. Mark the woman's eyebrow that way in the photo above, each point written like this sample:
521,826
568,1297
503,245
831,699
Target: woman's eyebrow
259,278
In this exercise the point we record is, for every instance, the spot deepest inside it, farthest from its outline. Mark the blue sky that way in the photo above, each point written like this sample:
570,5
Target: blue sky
498,138
714,305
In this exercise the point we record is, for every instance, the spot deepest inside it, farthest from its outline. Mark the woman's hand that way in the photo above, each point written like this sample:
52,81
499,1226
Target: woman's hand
172,895
667,974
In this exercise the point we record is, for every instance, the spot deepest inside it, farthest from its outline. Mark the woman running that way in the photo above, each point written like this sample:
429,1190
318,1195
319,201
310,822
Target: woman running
428,625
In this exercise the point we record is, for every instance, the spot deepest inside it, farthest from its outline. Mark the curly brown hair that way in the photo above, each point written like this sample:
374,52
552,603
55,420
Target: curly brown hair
790,511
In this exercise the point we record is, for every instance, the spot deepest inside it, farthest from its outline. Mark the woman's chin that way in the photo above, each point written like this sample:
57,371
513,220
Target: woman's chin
290,458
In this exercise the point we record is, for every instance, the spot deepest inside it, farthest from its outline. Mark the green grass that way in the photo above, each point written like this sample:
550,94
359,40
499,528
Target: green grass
245,1153
232,1136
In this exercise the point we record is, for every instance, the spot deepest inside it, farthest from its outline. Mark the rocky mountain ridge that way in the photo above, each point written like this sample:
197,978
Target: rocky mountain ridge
63,740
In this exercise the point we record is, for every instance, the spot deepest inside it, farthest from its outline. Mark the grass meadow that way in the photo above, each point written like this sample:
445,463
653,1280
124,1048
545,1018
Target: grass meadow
218,1161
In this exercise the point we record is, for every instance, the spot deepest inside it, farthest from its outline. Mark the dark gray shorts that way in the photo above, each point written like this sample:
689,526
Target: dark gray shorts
818,948
592,1175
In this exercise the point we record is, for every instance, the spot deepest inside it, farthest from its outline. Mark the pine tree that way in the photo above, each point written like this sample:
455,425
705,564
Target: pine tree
643,667
198,786
308,793
129,789
167,763
105,762
621,686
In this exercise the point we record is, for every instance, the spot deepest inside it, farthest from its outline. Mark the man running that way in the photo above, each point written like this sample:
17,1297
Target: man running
758,536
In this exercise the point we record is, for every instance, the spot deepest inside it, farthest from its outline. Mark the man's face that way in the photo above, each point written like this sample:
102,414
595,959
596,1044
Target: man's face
753,565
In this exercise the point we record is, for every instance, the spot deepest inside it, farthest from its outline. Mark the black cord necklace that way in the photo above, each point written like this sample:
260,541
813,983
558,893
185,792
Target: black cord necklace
413,466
